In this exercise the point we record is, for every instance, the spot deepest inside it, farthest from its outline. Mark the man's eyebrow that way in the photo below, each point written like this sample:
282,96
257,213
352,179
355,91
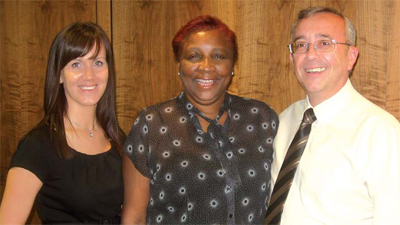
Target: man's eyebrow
297,38
323,35
317,35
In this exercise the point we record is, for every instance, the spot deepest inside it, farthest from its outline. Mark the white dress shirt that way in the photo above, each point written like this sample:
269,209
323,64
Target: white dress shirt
349,173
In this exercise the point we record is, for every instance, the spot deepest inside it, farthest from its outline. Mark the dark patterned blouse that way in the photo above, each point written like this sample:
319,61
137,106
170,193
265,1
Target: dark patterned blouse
221,176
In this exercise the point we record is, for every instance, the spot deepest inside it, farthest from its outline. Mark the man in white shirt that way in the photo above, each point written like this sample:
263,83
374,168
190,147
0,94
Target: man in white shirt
349,172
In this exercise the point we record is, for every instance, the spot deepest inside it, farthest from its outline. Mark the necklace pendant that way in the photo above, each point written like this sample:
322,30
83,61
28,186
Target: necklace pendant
91,135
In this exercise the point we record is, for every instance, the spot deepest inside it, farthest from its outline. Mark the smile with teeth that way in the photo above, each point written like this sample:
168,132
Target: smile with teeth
315,70
87,88
205,83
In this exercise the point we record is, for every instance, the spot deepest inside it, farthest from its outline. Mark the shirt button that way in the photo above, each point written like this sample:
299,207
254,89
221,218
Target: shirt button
230,216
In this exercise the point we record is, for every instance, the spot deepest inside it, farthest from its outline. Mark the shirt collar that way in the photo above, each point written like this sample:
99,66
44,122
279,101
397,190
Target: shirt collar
327,109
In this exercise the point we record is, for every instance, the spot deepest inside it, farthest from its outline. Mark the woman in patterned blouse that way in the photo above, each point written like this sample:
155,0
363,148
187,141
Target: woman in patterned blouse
203,157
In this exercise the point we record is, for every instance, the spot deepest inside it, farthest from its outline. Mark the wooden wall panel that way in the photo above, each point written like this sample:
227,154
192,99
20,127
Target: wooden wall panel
103,16
146,73
264,70
392,21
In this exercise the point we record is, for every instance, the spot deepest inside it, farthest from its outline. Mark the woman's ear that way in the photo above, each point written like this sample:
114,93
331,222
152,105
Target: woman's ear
61,76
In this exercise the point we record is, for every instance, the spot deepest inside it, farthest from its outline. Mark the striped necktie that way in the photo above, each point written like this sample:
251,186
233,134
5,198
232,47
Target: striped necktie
288,169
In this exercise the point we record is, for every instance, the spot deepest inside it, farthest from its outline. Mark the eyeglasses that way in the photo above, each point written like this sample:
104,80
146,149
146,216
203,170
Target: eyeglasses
319,46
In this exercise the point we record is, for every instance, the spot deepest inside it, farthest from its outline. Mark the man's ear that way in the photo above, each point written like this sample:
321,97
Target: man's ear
353,55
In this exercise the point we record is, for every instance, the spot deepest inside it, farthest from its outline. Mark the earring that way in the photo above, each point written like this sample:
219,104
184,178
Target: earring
179,69
232,73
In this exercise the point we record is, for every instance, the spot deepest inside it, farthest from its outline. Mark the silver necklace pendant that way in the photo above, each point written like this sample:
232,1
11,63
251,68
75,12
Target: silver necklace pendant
87,130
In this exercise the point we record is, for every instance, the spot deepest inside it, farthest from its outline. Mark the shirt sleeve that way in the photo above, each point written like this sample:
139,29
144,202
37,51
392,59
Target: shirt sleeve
384,173
32,154
136,146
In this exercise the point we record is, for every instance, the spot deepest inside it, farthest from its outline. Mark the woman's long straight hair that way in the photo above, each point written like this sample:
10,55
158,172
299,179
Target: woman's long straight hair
77,40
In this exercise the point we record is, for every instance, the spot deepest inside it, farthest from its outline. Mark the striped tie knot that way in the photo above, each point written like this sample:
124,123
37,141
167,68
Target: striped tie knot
309,116
288,169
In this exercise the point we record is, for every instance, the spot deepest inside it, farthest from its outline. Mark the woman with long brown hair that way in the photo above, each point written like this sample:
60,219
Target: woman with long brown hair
69,165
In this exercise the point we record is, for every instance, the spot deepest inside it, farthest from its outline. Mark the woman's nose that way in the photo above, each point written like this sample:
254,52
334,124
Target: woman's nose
88,73
206,64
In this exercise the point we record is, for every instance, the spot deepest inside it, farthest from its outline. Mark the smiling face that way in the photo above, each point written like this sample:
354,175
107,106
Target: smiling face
206,67
322,74
85,78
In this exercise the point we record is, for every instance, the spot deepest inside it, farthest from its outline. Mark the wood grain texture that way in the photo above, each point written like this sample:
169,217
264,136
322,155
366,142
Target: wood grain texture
264,70
103,16
146,71
392,18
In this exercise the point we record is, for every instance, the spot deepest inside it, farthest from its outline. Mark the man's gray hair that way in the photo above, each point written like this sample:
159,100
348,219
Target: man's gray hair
309,12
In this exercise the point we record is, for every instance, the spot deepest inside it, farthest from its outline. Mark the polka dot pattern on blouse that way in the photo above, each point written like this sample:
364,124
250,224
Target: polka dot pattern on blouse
188,182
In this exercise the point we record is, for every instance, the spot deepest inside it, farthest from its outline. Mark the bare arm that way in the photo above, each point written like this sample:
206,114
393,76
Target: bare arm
20,192
137,194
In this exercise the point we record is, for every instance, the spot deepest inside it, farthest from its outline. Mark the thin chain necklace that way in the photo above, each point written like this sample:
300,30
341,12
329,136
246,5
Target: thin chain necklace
90,131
